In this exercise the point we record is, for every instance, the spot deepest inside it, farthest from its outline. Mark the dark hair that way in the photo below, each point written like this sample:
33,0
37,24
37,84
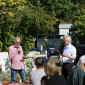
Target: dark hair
44,80
39,62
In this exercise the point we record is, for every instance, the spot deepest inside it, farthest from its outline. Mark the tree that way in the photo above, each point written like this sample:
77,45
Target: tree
62,9
18,18
80,23
7,21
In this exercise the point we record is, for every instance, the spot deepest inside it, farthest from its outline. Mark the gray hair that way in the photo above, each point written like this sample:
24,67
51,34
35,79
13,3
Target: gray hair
82,60
16,39
68,38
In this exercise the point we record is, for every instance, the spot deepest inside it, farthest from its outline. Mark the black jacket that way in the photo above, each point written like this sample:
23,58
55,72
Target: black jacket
56,80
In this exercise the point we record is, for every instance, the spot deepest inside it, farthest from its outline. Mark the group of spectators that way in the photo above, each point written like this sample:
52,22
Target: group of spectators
47,73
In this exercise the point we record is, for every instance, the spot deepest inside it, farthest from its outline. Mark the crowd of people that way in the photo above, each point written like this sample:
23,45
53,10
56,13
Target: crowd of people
47,73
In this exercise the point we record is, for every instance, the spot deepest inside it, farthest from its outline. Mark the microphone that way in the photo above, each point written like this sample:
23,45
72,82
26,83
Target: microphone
19,51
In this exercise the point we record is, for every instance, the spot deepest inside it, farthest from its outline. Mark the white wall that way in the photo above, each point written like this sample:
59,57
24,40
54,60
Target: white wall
4,60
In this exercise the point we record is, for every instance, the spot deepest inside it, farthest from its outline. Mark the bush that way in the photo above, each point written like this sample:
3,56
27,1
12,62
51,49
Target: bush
5,76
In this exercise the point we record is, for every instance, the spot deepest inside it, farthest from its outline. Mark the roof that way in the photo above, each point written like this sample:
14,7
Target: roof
66,26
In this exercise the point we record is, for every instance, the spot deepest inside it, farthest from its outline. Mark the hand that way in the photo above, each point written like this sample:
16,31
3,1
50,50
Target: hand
64,55
24,57
18,50
60,56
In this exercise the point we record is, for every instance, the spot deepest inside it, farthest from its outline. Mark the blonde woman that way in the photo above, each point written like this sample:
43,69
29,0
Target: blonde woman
53,75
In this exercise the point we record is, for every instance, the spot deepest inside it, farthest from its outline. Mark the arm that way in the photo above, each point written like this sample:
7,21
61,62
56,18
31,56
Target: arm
22,52
30,82
73,54
68,56
11,54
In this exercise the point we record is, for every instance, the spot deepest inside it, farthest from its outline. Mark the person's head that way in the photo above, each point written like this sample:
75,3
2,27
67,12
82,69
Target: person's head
51,69
16,41
44,80
67,40
82,61
39,62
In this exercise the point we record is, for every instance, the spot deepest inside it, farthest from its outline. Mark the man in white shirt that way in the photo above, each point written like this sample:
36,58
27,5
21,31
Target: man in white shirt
69,55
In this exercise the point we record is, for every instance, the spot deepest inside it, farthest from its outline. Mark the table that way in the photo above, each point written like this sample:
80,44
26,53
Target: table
16,83
29,61
35,56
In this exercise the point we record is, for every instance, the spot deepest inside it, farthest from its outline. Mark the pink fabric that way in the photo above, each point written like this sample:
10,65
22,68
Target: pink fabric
15,58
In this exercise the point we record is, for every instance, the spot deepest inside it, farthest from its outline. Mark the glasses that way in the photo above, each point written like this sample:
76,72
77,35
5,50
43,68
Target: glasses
66,41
